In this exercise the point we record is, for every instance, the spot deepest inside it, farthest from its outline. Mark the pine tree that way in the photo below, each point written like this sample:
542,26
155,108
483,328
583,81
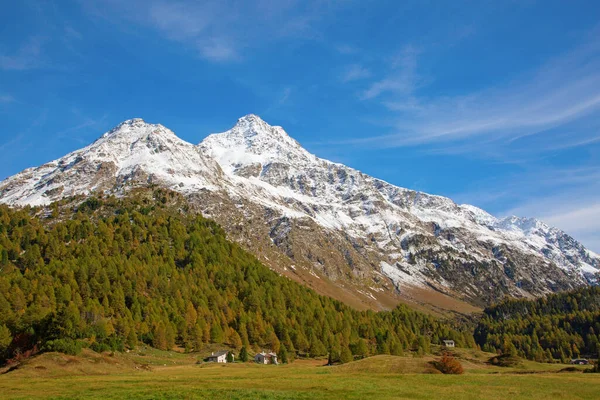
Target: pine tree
197,338
346,355
235,340
5,338
132,339
274,342
160,337
317,348
216,333
243,354
396,348
3,257
229,357
362,349
283,355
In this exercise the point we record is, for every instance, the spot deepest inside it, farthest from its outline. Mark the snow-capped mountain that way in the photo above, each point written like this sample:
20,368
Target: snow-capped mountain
132,151
320,222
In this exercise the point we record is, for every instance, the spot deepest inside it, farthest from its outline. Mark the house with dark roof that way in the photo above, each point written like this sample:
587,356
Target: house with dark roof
266,358
580,361
219,356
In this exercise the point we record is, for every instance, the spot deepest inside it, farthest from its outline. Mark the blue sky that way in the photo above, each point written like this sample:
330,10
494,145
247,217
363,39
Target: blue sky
492,103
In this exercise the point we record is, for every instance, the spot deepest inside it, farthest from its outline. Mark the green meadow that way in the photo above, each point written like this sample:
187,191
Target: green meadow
169,375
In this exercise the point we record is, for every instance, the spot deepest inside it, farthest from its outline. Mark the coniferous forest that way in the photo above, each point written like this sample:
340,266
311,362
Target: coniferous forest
115,272
112,273
558,327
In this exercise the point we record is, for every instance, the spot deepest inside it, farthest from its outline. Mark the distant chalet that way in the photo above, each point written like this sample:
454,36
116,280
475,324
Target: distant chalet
219,357
266,358
448,343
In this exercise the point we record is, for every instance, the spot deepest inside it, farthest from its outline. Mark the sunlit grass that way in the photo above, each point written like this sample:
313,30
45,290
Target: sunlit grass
382,377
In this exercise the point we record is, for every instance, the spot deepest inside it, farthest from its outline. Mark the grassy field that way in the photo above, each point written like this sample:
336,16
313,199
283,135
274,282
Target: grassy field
151,374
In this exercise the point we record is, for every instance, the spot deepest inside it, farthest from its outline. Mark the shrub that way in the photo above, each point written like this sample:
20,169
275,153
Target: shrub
67,346
108,344
449,365
90,204
595,369
505,360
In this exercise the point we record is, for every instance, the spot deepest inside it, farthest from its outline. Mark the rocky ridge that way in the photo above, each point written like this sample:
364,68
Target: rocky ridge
320,221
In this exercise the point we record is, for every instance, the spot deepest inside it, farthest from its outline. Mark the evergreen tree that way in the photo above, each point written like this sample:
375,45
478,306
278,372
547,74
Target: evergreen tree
243,354
5,339
283,355
346,355
216,333
3,257
396,349
132,339
317,348
197,337
362,349
160,337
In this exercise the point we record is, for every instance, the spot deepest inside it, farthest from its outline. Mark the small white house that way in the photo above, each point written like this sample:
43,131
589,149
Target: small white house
266,358
449,343
219,356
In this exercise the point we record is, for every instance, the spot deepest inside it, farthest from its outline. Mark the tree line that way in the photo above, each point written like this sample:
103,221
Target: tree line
560,326
109,273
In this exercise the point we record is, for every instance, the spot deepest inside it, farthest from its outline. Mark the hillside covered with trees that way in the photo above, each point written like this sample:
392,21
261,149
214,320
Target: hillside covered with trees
560,326
110,273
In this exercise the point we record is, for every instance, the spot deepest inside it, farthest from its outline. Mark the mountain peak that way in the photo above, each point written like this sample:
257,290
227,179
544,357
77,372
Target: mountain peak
130,123
254,141
257,169
133,121
134,129
250,118
252,125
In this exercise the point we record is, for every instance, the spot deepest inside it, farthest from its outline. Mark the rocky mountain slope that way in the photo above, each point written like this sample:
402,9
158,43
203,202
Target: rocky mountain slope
346,234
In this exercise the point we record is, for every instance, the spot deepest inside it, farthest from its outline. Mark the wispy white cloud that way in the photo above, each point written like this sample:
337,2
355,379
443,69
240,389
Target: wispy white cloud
558,93
346,49
281,100
403,78
285,95
218,50
195,24
355,72
26,57
221,31
6,98
10,143
72,33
